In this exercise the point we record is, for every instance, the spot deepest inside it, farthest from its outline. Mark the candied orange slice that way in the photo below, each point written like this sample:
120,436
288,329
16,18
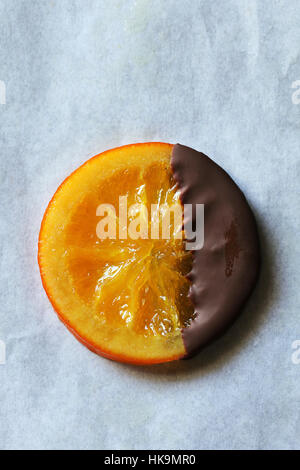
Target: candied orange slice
124,297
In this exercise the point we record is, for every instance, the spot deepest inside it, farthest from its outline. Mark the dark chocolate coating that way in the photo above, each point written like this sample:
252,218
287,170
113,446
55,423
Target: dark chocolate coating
225,270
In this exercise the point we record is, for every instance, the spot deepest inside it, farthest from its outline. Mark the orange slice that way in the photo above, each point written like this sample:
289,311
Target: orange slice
124,298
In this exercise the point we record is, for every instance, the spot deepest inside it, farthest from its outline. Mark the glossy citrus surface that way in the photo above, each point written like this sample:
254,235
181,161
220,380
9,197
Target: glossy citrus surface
123,298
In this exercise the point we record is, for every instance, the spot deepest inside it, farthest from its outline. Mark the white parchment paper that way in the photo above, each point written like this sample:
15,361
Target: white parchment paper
82,76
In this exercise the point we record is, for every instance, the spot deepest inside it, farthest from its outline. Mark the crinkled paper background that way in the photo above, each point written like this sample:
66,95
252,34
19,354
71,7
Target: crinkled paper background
82,76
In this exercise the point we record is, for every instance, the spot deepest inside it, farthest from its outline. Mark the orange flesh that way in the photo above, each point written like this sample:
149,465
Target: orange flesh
124,299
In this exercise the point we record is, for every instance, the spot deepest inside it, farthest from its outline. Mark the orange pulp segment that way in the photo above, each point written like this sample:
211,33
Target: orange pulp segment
125,299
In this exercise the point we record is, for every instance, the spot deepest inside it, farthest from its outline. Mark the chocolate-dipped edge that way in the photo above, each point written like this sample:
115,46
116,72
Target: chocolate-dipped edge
225,270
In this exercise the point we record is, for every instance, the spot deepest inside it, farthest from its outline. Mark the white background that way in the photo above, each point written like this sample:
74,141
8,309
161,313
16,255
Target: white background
87,75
